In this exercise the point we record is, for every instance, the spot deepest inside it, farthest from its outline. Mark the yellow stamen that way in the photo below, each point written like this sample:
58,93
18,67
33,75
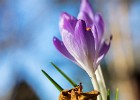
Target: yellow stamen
88,28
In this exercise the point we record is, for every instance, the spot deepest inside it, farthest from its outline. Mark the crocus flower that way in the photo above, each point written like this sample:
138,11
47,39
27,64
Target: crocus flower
82,38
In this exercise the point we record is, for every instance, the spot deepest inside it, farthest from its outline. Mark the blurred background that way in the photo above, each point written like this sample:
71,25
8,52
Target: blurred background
26,31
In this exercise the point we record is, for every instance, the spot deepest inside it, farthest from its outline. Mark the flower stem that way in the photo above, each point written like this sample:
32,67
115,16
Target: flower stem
101,83
95,85
101,75
116,94
108,94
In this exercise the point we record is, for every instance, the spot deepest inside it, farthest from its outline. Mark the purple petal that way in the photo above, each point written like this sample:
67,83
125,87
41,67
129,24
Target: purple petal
67,22
86,12
104,49
99,23
61,48
95,34
90,42
84,16
80,44
84,40
75,43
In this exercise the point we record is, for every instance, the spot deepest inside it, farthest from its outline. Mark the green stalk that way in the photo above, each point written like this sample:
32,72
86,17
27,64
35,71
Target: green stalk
95,84
54,83
108,94
101,82
64,75
116,94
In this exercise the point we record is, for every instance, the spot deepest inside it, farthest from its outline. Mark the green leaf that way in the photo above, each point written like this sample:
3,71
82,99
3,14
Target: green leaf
116,94
108,94
54,83
64,75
